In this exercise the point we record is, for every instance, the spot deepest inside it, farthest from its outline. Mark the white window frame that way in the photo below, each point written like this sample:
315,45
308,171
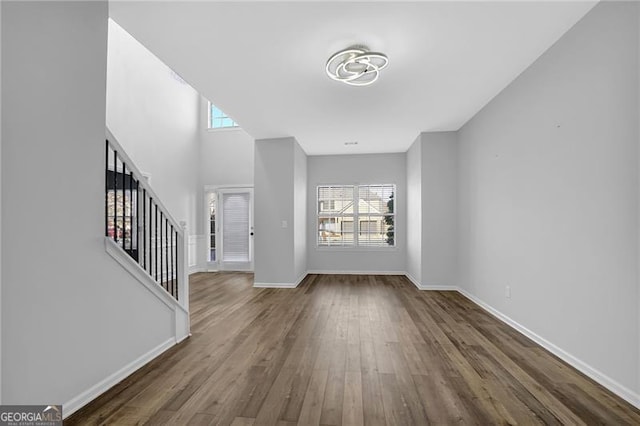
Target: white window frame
210,120
208,198
357,217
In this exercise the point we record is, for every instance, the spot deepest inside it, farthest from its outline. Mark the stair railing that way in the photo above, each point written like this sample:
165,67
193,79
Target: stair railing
138,222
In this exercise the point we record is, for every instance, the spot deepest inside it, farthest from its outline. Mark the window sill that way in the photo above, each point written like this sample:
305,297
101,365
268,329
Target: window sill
356,249
223,129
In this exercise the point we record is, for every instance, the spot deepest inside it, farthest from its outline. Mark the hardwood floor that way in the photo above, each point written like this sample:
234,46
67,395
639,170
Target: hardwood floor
350,350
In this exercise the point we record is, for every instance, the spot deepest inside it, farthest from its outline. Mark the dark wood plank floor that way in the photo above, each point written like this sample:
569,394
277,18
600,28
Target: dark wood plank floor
350,350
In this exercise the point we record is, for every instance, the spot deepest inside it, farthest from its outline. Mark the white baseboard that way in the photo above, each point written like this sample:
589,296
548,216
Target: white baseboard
196,269
282,285
434,287
323,272
606,381
301,277
437,287
615,387
101,387
275,285
333,272
182,338
413,280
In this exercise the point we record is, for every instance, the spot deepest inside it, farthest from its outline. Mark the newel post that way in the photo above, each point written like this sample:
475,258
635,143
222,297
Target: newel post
183,288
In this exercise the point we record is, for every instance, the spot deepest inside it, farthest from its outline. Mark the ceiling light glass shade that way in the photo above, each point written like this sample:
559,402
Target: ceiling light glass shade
356,66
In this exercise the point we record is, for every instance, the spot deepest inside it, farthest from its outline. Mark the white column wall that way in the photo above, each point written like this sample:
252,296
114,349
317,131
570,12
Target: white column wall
414,212
439,209
280,167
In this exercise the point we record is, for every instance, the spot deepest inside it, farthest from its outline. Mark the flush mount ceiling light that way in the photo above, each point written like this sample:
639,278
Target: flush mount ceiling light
356,66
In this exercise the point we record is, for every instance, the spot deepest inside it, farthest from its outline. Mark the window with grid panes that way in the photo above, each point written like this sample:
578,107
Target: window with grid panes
218,119
356,215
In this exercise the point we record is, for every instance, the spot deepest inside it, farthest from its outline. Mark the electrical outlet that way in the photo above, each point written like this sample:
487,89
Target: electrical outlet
507,292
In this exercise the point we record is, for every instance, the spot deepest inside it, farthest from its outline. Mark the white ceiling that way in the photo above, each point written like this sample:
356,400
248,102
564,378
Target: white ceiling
263,62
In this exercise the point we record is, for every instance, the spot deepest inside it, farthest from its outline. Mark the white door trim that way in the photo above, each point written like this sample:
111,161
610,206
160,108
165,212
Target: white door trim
217,190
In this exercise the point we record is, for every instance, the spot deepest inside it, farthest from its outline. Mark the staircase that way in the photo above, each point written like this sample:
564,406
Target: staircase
143,237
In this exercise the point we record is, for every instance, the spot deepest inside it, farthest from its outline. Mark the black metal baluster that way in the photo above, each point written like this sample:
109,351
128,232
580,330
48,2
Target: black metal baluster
131,214
156,243
166,252
115,195
150,234
162,251
124,208
172,275
144,229
106,191
132,231
177,269
137,234
128,203
161,255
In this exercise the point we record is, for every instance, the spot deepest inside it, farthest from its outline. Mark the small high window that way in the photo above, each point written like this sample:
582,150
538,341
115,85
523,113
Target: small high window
218,119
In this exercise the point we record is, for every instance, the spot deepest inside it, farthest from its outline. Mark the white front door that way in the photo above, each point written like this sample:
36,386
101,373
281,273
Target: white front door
235,235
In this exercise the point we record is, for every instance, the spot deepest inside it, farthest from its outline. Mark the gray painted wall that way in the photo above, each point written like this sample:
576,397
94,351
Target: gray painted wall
0,208
226,155
432,210
414,211
279,164
548,202
154,116
357,169
71,316
638,260
226,158
549,195
439,209
300,212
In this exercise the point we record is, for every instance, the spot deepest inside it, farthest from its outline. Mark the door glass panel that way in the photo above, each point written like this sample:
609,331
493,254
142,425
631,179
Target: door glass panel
235,224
